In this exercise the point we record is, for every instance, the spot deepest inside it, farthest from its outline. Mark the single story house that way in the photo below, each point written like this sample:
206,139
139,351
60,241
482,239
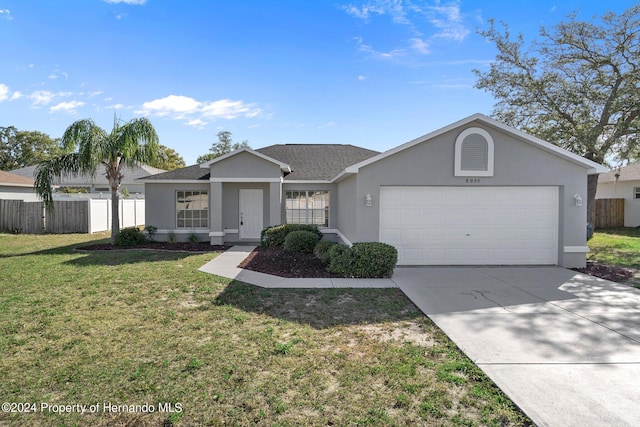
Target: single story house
623,183
98,184
16,187
476,192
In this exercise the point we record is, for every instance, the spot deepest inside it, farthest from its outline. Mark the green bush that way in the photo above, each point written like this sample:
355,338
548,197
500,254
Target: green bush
340,260
130,236
300,241
373,259
370,259
321,251
275,235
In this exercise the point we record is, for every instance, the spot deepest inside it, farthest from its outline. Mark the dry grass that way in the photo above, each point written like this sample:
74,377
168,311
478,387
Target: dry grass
139,327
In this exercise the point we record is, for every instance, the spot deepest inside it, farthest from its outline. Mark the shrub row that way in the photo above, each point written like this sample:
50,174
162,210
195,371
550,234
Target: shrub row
275,235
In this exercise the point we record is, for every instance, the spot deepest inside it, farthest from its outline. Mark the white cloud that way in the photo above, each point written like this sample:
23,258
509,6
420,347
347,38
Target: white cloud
196,112
6,14
366,48
448,20
4,92
362,78
67,107
436,20
16,95
126,1
419,45
41,97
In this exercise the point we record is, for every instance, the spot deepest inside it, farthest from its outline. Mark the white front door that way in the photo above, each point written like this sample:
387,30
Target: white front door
250,213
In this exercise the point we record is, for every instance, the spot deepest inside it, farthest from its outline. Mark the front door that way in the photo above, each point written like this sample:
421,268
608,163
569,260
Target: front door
250,213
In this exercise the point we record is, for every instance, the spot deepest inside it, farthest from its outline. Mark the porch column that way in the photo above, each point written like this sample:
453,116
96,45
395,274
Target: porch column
216,232
275,203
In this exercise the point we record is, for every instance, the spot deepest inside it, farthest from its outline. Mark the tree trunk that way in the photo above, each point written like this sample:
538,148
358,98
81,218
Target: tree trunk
115,214
592,187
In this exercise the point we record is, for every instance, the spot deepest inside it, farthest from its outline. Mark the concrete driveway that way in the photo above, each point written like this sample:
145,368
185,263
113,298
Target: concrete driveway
565,347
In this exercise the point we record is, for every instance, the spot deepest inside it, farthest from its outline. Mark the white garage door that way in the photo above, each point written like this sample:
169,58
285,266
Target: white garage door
471,225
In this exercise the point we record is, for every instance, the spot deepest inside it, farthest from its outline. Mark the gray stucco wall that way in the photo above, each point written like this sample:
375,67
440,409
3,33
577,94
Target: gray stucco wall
347,202
160,209
517,163
245,165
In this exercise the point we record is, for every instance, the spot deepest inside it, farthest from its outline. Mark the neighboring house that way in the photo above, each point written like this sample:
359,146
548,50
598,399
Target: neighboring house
98,183
623,183
474,192
16,187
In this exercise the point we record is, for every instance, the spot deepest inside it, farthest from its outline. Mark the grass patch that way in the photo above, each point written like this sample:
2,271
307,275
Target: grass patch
616,246
135,328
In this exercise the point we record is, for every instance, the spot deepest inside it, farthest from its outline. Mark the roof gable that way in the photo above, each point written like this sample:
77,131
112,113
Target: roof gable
317,162
593,168
285,167
630,172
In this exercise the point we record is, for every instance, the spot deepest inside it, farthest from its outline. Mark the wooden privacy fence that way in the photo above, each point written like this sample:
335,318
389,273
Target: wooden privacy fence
68,216
609,213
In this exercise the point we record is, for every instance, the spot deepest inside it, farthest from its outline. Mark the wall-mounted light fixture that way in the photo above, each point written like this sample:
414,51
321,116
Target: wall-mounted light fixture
578,199
367,199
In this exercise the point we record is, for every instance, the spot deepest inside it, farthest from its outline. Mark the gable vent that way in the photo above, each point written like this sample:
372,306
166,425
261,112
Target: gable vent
474,153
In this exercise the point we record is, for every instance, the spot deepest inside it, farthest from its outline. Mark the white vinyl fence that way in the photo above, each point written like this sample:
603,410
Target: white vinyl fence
68,216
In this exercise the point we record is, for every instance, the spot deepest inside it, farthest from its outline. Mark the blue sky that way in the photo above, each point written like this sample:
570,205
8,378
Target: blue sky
374,73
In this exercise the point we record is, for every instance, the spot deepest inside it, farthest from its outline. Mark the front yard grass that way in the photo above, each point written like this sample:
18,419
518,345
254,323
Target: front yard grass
619,247
118,328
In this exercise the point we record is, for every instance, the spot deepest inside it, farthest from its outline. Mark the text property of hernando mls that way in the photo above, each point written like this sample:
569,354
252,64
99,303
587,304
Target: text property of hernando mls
100,407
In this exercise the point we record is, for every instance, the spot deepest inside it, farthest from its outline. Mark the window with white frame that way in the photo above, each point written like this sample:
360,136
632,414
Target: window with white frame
192,209
474,153
307,207
636,193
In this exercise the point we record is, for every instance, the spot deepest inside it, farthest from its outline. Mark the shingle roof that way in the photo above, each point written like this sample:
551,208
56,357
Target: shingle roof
628,173
307,161
316,161
130,175
8,178
189,173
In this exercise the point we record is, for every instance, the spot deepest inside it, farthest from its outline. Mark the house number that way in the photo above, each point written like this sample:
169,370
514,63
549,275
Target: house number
473,180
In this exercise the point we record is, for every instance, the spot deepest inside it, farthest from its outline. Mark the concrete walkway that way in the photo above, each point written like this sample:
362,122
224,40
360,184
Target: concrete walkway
565,347
226,263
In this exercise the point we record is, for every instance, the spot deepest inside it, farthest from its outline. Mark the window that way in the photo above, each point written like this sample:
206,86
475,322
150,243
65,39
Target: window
474,153
192,209
307,207
636,193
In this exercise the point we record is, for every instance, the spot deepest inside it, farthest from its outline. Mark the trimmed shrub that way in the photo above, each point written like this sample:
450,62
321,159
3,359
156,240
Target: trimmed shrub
275,235
300,241
340,260
373,259
370,259
130,236
321,251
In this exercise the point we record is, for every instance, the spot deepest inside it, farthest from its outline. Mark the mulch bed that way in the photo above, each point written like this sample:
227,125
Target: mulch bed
163,246
282,263
603,271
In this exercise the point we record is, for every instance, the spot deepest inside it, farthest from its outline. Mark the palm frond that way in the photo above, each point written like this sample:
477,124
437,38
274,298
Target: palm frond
88,140
138,142
50,171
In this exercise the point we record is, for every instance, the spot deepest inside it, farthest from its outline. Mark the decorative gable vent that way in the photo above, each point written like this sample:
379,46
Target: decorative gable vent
474,153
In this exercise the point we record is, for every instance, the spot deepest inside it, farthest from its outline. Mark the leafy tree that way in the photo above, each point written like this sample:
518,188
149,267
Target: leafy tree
25,148
88,146
223,146
576,86
169,159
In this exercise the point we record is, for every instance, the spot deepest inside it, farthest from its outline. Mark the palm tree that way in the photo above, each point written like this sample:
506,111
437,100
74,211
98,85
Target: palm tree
129,144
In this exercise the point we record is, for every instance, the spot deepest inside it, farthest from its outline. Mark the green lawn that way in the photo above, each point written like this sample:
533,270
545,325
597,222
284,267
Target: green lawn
616,246
112,329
